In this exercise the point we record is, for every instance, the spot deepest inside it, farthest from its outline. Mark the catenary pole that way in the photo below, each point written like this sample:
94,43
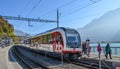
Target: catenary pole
57,18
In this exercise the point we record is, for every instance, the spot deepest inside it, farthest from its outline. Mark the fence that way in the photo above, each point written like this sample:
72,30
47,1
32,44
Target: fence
115,50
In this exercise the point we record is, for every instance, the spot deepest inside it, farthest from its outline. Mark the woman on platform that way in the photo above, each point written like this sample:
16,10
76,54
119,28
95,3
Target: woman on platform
99,49
108,51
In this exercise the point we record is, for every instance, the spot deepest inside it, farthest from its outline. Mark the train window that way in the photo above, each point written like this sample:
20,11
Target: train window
38,40
59,38
44,39
31,40
73,39
41,41
49,38
35,40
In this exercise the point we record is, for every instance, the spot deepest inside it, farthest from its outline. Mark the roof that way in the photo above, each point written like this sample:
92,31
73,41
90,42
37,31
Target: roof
63,28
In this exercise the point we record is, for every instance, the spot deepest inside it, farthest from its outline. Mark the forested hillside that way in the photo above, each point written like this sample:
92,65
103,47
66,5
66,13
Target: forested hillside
6,29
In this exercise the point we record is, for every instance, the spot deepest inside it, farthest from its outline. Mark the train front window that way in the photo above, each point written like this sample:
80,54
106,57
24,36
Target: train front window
73,39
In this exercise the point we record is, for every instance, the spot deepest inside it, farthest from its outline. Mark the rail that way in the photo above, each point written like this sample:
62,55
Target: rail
115,50
78,62
31,64
20,59
58,58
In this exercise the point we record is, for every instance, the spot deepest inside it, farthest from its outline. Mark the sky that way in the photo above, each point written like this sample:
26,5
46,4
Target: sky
72,13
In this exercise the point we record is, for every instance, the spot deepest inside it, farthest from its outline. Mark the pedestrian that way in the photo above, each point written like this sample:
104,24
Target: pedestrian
108,51
88,47
99,49
3,43
84,48
99,53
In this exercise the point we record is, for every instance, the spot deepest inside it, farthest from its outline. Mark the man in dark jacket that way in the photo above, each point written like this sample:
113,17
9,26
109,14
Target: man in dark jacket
84,49
108,51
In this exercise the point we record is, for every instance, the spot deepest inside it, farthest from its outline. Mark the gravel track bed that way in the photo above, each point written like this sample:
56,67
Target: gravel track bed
46,61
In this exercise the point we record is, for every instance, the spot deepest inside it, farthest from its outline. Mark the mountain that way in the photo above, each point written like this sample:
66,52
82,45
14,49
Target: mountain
105,28
6,29
21,33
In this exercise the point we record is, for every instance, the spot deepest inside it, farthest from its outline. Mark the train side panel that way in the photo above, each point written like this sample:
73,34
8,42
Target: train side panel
65,41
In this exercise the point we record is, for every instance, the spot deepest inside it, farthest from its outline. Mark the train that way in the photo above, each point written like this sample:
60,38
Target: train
59,40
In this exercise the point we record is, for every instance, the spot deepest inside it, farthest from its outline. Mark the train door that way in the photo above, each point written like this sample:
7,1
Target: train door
54,41
57,42
38,43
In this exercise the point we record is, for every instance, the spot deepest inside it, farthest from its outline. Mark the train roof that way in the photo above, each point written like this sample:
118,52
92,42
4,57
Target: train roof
63,28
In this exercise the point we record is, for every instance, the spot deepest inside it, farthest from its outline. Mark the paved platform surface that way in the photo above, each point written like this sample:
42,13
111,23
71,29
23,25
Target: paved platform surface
114,62
6,62
95,56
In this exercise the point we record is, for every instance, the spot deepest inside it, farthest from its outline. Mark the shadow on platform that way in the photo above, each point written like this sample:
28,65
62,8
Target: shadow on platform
10,55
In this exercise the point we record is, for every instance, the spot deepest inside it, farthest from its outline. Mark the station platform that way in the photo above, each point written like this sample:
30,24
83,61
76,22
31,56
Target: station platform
7,62
114,63
6,59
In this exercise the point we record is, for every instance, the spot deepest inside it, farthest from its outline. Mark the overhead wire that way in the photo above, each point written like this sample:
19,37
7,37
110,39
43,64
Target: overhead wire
34,7
31,12
87,16
93,2
66,4
25,7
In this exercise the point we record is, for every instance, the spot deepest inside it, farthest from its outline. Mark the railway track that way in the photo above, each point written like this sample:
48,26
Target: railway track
25,62
92,64
56,57
84,64
77,62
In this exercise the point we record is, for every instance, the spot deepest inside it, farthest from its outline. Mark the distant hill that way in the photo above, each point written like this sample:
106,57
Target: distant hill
6,29
105,28
21,33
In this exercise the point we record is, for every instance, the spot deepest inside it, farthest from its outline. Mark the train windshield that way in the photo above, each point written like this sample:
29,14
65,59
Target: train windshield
73,39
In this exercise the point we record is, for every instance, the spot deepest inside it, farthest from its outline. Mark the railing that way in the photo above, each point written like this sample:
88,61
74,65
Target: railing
115,50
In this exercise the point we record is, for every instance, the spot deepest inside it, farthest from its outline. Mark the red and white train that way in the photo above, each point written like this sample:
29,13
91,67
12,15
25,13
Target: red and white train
60,40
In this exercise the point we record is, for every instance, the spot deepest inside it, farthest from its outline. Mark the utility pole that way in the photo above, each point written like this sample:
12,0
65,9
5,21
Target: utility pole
29,24
57,18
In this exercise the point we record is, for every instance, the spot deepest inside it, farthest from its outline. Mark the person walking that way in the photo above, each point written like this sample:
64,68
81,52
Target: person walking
88,47
99,49
108,51
84,49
